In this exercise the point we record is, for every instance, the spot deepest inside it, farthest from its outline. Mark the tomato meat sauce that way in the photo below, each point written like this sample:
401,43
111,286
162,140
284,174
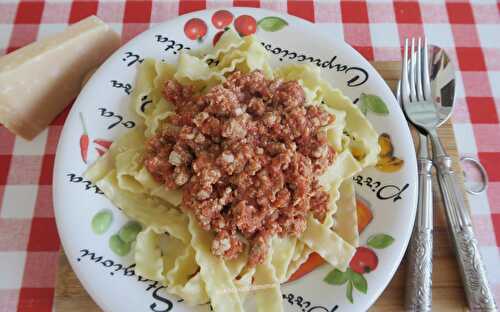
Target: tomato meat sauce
247,154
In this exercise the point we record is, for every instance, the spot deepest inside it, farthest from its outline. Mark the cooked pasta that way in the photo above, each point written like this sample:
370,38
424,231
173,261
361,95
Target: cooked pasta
173,247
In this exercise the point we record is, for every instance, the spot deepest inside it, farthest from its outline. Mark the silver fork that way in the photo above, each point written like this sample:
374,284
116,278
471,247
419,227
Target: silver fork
414,87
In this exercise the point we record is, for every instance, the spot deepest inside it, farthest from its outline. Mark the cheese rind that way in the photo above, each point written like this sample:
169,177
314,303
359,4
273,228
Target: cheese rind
38,81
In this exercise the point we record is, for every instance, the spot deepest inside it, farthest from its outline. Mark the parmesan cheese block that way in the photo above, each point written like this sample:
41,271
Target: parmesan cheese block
38,81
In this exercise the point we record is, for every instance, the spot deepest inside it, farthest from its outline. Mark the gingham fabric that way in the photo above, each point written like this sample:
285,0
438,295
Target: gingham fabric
470,33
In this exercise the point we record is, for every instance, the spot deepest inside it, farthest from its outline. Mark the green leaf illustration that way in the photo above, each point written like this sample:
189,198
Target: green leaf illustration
359,281
102,221
363,107
129,231
380,241
118,246
336,277
374,104
272,23
348,291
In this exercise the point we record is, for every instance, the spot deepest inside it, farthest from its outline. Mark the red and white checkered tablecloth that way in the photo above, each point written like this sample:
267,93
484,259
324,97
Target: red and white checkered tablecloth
470,32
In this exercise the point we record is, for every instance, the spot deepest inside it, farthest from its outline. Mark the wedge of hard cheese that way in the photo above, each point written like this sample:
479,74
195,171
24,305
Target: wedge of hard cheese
38,81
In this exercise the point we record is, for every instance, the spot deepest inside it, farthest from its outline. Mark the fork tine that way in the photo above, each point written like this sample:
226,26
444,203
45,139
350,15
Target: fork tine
425,73
419,71
413,70
404,75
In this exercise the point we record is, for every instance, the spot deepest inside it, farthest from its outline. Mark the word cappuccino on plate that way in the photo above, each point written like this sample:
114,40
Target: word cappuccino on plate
358,76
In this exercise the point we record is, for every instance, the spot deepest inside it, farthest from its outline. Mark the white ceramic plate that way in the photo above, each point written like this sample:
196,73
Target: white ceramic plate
386,200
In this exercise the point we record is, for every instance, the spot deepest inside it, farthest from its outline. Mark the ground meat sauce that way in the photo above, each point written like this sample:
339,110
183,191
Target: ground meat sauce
247,155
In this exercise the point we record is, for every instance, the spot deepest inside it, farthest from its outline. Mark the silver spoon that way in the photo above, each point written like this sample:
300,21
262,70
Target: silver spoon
428,115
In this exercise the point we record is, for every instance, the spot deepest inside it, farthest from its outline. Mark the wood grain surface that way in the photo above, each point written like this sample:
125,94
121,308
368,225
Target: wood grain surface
447,293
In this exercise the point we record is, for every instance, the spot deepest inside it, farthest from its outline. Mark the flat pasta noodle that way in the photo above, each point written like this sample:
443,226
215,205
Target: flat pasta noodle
193,292
103,165
309,75
228,62
191,69
171,249
128,165
100,168
219,283
163,72
173,197
334,193
180,278
229,41
147,210
235,266
184,267
357,125
143,86
299,259
344,166
283,251
268,292
244,283
346,227
234,52
309,78
256,58
146,179
161,112
346,219
156,108
335,131
133,176
195,71
147,255
299,247
328,244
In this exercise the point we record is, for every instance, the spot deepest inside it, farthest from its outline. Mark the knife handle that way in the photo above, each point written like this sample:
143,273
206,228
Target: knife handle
418,293
472,271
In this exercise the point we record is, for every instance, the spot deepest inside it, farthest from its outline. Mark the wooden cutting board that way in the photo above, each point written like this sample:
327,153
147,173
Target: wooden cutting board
448,294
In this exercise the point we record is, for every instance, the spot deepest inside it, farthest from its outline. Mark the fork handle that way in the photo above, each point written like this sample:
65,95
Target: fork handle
472,271
418,292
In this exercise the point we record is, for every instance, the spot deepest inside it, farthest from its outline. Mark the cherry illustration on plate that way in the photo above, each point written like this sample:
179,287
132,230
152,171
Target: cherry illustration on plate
222,18
245,25
364,261
195,29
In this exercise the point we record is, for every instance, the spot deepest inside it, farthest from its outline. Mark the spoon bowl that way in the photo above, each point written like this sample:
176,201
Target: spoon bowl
428,115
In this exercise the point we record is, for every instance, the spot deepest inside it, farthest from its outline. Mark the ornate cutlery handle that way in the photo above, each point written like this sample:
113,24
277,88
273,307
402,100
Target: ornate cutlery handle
472,271
477,291
418,294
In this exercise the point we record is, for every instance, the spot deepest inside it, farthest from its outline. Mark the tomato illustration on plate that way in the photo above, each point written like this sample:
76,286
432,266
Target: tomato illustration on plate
195,29
245,25
222,19
364,260
217,37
